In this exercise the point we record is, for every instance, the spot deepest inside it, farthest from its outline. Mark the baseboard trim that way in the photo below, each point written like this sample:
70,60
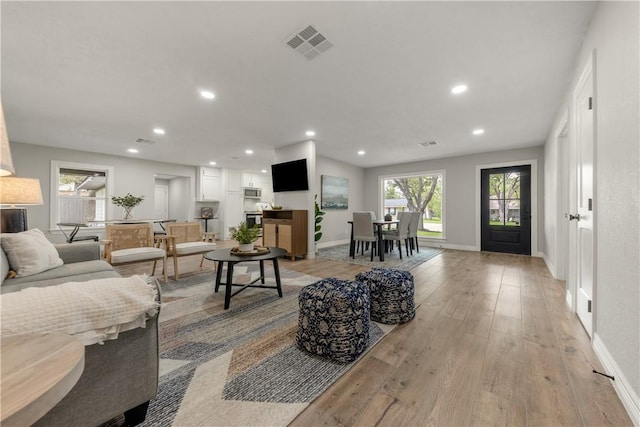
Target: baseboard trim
444,245
622,387
569,300
332,244
550,266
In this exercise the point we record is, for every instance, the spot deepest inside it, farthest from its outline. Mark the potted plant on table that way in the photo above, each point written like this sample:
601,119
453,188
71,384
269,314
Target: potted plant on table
127,202
245,236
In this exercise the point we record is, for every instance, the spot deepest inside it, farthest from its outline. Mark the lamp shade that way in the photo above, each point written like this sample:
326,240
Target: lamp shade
20,191
6,161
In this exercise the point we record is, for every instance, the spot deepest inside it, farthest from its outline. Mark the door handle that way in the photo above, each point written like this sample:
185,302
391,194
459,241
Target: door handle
571,217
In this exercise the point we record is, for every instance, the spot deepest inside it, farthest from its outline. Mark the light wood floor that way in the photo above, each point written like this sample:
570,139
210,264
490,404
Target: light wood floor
492,343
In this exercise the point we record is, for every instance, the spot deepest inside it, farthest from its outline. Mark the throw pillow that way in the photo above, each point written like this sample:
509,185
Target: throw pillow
4,266
29,252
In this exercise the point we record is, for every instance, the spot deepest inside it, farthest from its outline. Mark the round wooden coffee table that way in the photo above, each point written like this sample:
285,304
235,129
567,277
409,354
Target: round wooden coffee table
226,255
37,372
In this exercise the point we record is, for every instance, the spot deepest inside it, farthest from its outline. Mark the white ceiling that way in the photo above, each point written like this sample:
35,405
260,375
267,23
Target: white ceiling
96,76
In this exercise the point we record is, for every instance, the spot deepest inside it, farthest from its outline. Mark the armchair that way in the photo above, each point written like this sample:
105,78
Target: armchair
185,238
130,243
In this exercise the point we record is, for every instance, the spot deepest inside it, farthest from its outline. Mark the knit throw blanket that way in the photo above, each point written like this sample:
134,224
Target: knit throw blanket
92,311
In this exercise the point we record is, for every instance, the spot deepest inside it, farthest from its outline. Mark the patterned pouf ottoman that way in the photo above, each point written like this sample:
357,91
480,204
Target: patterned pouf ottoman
334,319
391,294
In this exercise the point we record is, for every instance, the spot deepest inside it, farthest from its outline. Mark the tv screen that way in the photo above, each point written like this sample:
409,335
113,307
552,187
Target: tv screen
290,176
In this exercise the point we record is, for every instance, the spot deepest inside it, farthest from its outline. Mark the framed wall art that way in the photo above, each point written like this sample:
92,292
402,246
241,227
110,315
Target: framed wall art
335,192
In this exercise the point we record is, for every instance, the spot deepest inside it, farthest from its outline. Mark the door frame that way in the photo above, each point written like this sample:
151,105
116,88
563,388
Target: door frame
534,200
562,205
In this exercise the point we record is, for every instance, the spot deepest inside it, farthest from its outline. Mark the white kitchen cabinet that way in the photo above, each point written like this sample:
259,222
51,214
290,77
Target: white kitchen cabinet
267,189
208,184
233,180
252,179
233,212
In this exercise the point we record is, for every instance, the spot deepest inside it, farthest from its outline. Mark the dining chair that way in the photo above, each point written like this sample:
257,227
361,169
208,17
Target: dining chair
363,231
373,218
413,230
184,239
401,233
131,243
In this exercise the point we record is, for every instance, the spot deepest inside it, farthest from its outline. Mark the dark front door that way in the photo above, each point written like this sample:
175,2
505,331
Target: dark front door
506,209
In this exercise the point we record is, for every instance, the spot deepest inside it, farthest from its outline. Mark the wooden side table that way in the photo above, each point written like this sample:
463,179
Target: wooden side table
37,372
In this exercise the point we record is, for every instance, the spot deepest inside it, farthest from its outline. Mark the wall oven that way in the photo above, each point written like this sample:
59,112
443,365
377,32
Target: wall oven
253,218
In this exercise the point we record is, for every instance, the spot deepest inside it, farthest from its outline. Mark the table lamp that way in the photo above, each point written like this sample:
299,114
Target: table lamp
17,191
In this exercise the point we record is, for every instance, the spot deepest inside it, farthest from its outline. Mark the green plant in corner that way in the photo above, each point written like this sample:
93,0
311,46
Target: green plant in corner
244,234
318,219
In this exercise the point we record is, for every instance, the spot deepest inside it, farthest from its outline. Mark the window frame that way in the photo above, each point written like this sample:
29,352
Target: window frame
56,165
442,172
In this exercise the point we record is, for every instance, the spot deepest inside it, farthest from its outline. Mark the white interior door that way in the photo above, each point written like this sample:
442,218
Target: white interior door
583,216
161,203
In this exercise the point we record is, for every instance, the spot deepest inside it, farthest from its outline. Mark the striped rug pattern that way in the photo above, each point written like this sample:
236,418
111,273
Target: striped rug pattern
238,366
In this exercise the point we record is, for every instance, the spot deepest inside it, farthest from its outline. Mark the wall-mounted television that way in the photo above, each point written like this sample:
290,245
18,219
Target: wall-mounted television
290,176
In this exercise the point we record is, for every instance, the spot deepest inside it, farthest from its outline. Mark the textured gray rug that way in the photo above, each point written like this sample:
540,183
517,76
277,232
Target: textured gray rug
391,259
238,366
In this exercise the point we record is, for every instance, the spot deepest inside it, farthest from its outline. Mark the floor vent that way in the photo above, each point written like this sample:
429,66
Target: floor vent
428,143
308,42
145,141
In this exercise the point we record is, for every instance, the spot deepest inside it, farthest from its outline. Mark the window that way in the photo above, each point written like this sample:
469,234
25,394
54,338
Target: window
418,192
79,192
504,199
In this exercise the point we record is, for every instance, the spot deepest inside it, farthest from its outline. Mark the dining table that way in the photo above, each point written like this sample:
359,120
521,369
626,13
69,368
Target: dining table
379,224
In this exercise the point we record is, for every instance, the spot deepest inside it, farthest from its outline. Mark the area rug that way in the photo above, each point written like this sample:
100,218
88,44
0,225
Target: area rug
391,259
238,366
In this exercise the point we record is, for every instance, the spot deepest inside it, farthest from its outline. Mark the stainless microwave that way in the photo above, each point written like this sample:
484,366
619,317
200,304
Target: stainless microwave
252,193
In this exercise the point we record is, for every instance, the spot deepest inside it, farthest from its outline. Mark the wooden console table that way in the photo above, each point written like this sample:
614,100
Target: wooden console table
286,229
37,372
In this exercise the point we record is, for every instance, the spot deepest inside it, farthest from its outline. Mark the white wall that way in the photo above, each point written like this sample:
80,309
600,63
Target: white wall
297,199
335,229
614,34
131,176
181,208
460,191
300,199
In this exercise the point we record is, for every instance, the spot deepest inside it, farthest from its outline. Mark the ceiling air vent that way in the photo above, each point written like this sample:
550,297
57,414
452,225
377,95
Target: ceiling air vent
145,141
308,42
428,143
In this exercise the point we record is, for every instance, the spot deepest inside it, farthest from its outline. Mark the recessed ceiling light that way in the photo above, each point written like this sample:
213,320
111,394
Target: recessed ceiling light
311,133
456,90
158,131
361,153
248,151
132,150
264,171
207,94
212,163
478,131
